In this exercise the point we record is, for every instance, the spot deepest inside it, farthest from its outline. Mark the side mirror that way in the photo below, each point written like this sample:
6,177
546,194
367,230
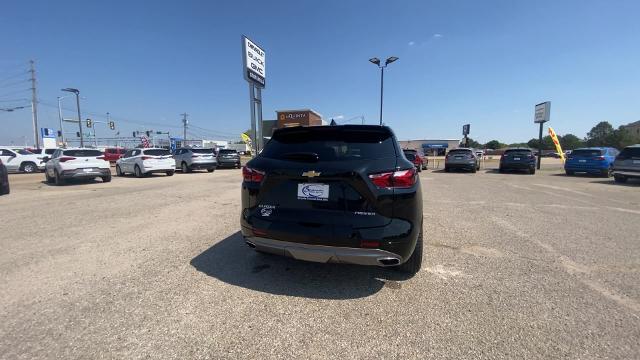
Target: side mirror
45,159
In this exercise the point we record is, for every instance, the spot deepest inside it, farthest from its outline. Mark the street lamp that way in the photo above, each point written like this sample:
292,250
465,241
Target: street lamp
376,61
77,92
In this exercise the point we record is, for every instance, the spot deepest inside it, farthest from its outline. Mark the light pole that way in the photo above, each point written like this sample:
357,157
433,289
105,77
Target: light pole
77,92
376,61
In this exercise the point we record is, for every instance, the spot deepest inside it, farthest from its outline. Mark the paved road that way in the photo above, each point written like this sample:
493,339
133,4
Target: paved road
516,266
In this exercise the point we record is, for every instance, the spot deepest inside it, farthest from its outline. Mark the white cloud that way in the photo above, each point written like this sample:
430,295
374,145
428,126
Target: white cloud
437,36
411,43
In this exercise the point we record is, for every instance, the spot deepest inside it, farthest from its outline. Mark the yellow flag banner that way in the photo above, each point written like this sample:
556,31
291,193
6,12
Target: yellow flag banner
556,142
247,140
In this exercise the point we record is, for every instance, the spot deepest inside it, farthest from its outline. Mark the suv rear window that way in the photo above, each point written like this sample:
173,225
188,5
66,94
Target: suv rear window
586,153
630,153
82,153
410,156
228,152
518,151
202,151
330,144
156,152
460,151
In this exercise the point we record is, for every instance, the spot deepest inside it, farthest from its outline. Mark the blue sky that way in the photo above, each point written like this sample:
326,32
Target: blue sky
481,62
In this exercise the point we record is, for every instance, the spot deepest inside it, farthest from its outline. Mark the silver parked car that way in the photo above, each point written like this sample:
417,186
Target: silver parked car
627,164
462,158
188,159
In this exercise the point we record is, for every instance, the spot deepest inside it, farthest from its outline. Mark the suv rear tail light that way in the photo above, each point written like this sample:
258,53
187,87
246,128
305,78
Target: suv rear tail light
252,175
100,158
598,158
396,179
66,158
146,158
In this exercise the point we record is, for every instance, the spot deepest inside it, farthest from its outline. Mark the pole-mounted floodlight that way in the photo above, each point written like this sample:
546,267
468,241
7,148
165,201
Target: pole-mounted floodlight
77,92
376,61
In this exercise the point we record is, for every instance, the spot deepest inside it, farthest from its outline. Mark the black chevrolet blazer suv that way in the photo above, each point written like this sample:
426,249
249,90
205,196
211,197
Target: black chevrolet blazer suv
340,194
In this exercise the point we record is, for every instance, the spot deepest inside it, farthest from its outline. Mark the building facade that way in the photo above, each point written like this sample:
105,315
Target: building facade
304,117
431,147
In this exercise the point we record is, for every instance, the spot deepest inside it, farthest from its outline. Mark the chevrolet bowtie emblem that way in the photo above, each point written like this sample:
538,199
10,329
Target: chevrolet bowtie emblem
310,174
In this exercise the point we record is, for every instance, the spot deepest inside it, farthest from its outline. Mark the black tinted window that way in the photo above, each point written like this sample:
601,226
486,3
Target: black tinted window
630,153
83,153
330,144
202,151
49,151
228,152
460,151
521,152
157,152
586,153
410,156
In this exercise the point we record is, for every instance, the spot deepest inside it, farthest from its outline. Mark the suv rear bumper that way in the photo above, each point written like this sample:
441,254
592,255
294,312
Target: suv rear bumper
325,254
81,174
203,165
228,162
627,173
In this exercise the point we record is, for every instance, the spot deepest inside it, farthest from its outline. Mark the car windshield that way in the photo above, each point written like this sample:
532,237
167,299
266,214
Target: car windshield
202,151
630,153
330,144
156,152
82,153
586,153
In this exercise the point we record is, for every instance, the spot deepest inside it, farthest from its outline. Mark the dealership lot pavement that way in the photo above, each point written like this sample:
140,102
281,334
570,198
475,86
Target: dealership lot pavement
516,266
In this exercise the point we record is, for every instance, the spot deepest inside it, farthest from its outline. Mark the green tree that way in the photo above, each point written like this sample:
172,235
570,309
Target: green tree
620,138
570,142
547,143
494,144
533,143
472,144
601,134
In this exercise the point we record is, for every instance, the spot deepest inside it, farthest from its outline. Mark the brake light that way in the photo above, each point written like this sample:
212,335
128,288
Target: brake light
100,158
252,175
599,158
66,158
146,158
369,243
396,179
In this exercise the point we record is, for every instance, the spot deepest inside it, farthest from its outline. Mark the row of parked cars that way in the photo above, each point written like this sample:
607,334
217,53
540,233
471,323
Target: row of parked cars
605,161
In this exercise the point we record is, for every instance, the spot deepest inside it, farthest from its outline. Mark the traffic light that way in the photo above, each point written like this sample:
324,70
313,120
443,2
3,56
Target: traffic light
89,123
112,125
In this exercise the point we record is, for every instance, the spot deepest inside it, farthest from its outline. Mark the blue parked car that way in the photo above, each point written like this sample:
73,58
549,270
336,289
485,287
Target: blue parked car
593,160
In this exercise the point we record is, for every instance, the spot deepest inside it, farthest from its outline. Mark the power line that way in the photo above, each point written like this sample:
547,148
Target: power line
14,92
20,74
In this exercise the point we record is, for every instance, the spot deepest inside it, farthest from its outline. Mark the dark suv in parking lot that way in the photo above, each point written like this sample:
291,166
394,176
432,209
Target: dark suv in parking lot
627,164
228,158
518,159
343,194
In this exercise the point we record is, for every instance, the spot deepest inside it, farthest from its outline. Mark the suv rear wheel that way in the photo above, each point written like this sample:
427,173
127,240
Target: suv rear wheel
119,171
58,180
29,167
137,171
185,168
619,179
414,263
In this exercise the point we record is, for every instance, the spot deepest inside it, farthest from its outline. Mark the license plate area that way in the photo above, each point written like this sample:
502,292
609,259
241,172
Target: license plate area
516,158
313,191
582,160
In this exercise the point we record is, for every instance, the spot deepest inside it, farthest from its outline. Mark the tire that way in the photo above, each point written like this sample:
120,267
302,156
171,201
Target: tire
106,179
211,170
48,178
620,179
137,172
419,169
29,167
170,173
119,171
185,168
569,172
501,170
446,169
414,263
57,179
532,171
607,173
473,171
238,166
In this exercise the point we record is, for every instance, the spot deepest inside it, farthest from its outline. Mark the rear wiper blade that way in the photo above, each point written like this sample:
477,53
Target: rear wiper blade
301,156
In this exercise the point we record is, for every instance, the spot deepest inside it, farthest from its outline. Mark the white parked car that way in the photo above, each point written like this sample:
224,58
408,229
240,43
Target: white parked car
21,160
141,162
76,163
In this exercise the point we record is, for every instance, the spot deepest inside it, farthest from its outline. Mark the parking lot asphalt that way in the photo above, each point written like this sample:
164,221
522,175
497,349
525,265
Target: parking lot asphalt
515,266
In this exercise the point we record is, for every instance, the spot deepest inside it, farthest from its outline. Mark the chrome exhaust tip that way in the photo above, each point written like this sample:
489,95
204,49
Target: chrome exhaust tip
388,261
250,244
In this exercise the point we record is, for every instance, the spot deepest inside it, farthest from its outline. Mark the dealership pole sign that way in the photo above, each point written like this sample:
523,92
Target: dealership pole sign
254,72
254,63
542,112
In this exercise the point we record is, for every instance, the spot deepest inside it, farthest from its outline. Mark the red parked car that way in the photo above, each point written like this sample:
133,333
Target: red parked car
113,154
413,156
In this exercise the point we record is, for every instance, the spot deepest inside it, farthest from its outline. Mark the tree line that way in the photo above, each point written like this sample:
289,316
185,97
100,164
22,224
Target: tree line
603,134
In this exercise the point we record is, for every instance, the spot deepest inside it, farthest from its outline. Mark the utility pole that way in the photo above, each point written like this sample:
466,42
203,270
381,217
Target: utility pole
61,120
185,124
34,104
